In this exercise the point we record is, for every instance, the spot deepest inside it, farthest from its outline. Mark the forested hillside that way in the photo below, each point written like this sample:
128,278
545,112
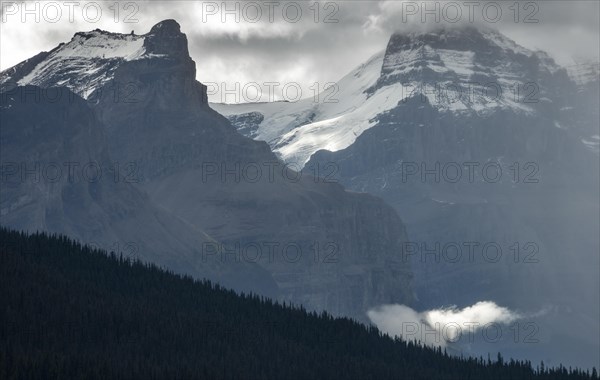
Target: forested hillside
72,312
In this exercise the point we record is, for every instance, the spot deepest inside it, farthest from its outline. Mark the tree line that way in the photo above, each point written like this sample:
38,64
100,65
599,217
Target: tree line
69,311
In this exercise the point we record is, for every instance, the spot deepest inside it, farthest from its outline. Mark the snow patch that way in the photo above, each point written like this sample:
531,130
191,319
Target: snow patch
99,45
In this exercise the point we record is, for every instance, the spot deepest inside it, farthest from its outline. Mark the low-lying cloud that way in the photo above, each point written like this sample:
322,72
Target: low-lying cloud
439,327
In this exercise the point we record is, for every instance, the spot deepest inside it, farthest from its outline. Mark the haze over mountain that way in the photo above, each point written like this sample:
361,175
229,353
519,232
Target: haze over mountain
481,145
306,241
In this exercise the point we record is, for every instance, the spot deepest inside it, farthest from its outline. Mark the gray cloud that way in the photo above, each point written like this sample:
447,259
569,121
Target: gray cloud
304,51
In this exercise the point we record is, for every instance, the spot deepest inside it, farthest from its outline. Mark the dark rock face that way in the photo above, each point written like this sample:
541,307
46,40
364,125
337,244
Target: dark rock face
247,123
175,140
57,176
166,38
324,247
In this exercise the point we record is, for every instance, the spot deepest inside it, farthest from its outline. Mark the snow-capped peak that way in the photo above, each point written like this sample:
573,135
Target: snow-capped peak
101,44
455,70
89,59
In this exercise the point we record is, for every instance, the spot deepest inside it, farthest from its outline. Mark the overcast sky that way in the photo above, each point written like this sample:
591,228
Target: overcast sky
272,42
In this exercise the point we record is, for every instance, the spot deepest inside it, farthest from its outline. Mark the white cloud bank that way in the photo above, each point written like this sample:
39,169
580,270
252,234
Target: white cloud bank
438,327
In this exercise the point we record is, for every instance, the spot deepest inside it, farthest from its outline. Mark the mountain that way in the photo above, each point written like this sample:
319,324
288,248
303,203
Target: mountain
76,312
57,176
499,194
325,248
465,71
89,61
295,130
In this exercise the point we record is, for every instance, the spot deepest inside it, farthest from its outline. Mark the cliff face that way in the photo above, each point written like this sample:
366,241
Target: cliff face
58,176
324,247
196,165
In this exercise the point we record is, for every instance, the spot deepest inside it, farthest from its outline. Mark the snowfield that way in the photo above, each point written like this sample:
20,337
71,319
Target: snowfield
296,130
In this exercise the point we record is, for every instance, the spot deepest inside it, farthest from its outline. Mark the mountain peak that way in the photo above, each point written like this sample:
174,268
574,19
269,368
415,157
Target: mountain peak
166,27
163,28
460,38
165,38
449,62
90,59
